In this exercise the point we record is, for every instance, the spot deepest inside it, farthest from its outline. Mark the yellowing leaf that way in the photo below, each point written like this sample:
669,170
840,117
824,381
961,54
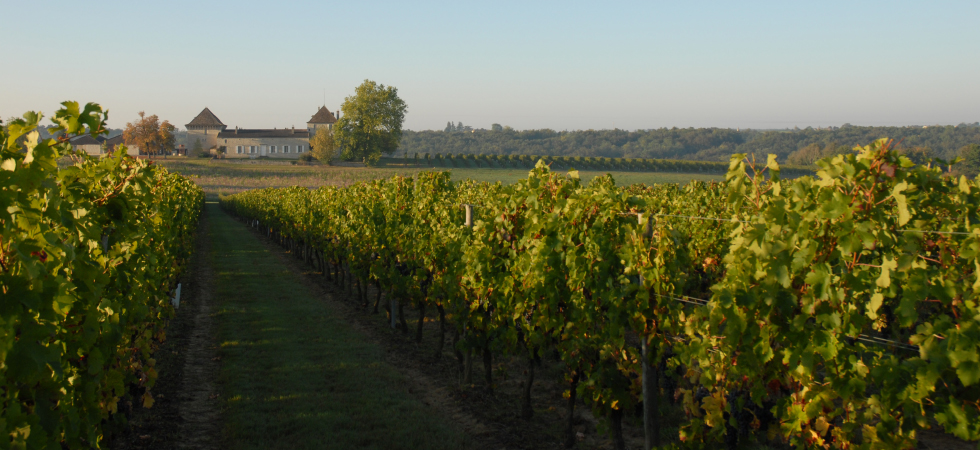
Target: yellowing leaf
148,400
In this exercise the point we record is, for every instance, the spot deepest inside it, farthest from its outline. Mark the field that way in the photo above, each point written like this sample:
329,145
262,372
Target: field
224,177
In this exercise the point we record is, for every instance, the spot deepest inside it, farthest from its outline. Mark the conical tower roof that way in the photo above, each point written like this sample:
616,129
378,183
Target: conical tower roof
206,119
323,116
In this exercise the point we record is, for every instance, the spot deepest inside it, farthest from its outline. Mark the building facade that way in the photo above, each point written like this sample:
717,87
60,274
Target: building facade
275,143
322,119
207,133
87,144
202,132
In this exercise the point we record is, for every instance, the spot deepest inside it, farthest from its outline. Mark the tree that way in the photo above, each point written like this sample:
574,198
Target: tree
918,155
372,123
149,135
323,145
971,159
198,148
496,127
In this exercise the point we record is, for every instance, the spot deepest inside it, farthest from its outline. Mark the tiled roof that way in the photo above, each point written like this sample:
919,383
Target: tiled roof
252,134
112,142
84,139
206,119
323,116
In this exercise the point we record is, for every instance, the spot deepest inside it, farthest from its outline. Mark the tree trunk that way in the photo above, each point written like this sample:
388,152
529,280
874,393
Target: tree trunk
651,397
442,332
349,274
377,300
364,298
418,329
570,427
616,423
488,367
468,370
460,359
401,317
359,289
393,306
527,412
340,271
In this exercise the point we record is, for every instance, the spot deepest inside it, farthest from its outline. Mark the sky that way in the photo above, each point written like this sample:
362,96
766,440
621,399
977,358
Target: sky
526,64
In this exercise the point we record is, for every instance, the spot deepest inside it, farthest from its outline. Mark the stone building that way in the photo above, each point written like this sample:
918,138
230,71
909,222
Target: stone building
204,130
277,143
288,143
322,119
87,144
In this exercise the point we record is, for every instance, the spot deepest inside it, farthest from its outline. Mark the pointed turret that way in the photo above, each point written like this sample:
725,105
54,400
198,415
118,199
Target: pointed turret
205,120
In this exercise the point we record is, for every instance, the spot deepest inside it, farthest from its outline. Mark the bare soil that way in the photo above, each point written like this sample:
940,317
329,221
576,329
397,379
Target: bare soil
185,414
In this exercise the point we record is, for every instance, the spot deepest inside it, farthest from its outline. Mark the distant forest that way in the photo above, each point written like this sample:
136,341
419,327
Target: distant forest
798,146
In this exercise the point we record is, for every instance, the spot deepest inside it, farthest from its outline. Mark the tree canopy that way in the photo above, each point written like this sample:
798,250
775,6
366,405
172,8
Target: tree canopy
704,144
323,145
971,159
151,136
371,124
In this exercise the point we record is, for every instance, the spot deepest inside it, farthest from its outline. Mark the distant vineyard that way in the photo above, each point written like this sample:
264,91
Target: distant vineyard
90,257
450,160
837,311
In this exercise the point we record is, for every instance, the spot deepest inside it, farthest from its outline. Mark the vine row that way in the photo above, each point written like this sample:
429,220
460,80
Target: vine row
90,255
835,311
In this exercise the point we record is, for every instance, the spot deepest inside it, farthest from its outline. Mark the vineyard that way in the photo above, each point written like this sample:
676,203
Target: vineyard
90,262
836,311
450,160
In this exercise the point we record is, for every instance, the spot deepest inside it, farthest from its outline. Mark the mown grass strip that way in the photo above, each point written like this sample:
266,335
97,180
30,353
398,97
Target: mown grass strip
294,374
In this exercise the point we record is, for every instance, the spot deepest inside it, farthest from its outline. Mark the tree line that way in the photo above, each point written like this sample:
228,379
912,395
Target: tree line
703,144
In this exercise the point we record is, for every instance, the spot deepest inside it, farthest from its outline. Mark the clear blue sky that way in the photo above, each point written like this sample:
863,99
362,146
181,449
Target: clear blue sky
560,65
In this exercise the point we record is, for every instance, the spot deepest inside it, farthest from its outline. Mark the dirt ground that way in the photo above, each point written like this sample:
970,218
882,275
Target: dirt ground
185,414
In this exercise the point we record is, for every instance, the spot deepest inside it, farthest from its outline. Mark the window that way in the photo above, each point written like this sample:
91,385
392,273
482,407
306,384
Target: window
251,149
299,149
272,149
285,149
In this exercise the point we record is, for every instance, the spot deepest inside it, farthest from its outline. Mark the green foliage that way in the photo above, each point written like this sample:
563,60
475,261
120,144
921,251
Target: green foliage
702,144
971,159
837,311
323,146
89,258
372,123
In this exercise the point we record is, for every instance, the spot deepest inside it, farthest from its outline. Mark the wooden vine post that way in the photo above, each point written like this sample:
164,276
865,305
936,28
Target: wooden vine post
651,379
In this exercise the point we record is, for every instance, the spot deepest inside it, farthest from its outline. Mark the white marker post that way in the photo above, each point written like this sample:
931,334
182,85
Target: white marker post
176,299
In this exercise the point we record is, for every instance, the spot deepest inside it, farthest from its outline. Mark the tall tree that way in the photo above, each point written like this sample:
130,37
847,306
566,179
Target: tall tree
971,159
151,136
323,145
372,123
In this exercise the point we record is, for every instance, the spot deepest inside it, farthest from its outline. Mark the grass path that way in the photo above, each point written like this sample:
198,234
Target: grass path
293,373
